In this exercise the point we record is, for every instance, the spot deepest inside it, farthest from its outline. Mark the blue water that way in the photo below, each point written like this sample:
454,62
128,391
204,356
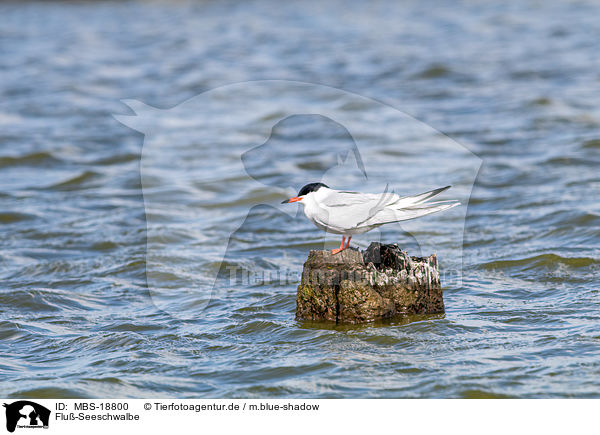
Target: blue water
118,232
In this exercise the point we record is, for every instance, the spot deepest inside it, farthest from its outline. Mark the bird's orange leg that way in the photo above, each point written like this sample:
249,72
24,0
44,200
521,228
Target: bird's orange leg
341,248
348,244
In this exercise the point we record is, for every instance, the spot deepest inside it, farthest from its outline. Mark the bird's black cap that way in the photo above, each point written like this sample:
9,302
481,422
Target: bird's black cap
312,187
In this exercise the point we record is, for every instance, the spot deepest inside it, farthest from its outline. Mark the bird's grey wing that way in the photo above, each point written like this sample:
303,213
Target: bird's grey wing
393,214
347,210
420,198
356,210
340,198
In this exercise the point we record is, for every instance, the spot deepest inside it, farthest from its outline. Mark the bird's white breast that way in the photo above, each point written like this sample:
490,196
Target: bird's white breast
321,216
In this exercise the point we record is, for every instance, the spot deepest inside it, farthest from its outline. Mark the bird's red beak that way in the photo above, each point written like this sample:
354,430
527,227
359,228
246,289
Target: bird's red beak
294,199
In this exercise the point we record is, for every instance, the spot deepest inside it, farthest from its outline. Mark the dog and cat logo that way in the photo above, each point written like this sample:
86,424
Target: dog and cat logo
26,414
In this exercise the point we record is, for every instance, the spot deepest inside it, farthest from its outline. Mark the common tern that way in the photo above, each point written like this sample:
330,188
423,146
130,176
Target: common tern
350,213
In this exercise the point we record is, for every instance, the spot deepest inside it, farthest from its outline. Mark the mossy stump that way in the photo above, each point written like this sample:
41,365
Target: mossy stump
379,283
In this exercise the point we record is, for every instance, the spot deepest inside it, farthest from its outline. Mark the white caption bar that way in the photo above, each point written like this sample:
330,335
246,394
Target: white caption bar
295,416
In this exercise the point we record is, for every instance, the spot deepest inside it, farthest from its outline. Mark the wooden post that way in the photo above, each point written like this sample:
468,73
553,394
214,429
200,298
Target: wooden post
381,282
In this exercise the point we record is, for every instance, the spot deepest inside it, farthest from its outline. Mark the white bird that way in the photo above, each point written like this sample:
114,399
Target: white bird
349,213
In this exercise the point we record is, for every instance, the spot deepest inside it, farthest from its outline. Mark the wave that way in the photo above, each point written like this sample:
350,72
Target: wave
541,261
41,158
76,182
10,217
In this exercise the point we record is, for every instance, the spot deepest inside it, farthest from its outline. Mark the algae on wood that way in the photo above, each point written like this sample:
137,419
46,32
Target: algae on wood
381,282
